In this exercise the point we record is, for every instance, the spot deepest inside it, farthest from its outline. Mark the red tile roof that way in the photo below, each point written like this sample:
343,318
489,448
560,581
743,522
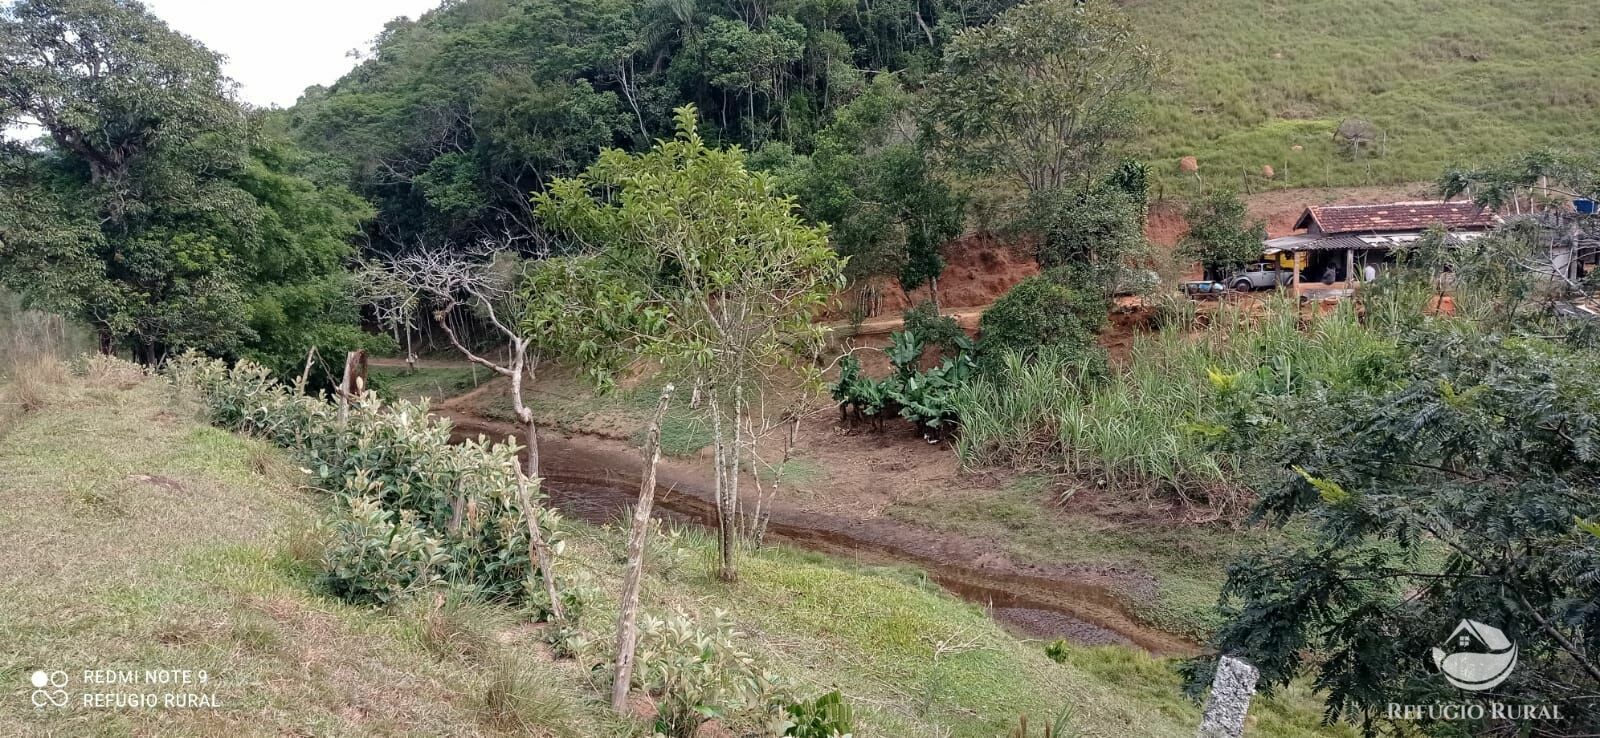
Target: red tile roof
1397,216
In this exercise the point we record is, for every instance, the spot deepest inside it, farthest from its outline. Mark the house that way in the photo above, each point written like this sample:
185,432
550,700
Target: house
1337,241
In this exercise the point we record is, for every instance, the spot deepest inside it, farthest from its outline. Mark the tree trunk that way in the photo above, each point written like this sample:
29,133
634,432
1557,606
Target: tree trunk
628,613
353,383
726,533
541,549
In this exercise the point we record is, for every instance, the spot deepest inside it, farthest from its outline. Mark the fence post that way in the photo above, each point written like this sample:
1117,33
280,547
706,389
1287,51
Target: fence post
1231,690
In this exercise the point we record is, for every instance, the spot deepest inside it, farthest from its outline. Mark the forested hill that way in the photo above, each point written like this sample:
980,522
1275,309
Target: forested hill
455,118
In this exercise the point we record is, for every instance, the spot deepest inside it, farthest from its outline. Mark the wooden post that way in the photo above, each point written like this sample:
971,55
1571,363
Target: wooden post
1295,255
540,547
1349,267
628,613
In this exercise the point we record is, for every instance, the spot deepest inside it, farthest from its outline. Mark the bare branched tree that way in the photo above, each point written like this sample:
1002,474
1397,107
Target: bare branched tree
484,282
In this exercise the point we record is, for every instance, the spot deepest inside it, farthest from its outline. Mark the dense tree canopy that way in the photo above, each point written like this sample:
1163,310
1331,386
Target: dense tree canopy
156,209
454,118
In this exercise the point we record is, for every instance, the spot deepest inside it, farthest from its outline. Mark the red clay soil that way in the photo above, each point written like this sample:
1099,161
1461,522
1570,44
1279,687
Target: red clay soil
979,267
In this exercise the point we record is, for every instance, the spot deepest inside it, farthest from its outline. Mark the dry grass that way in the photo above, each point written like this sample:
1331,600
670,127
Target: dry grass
147,541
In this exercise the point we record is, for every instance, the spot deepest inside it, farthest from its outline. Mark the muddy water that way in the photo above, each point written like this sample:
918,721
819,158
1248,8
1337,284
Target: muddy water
595,480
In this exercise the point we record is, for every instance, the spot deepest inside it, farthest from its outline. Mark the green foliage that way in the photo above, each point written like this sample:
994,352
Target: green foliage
827,716
1156,423
1449,494
373,557
587,316
868,179
1041,95
733,275
1059,311
1097,232
1520,181
922,396
1132,177
157,210
1057,650
415,508
701,672
1221,237
926,323
451,119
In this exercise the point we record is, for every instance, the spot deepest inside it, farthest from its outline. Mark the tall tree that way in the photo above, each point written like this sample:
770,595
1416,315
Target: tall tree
187,226
1041,95
735,275
869,180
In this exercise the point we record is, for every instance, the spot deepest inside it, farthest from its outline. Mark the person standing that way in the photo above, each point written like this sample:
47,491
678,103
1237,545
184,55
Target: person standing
1369,273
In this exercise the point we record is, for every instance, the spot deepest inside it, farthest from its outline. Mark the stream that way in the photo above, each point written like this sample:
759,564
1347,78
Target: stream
597,480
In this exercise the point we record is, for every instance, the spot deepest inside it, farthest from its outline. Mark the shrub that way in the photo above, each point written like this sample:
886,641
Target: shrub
400,458
1096,230
925,322
377,556
827,716
1058,310
1057,650
701,673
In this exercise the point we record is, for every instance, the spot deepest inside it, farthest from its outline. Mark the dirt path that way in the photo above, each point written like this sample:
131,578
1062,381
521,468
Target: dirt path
390,361
595,479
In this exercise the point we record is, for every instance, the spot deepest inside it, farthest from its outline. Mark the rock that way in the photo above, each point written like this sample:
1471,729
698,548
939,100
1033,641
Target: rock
1231,690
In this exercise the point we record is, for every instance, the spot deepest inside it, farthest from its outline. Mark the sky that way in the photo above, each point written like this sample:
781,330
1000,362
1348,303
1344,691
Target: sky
277,48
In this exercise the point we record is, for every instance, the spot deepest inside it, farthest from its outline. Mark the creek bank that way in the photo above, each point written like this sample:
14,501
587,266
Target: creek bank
596,479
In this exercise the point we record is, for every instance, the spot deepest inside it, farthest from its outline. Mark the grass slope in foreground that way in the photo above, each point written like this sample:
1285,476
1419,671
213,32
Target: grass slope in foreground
138,538
1450,82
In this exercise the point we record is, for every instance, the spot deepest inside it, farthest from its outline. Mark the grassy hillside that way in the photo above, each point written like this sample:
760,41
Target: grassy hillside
1447,81
152,541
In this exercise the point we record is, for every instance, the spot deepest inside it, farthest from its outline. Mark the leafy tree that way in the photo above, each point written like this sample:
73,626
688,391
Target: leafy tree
733,272
1526,182
1041,95
868,179
1061,309
1464,488
156,210
1221,235
1097,231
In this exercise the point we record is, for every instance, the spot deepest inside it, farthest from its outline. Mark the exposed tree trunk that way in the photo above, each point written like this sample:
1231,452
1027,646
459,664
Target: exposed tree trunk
726,533
628,612
541,547
353,383
305,373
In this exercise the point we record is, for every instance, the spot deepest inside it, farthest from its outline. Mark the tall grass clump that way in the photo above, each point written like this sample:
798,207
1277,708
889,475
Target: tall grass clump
33,348
413,511
1153,424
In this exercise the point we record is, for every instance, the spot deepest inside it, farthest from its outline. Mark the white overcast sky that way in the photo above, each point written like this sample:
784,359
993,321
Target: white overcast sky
277,48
